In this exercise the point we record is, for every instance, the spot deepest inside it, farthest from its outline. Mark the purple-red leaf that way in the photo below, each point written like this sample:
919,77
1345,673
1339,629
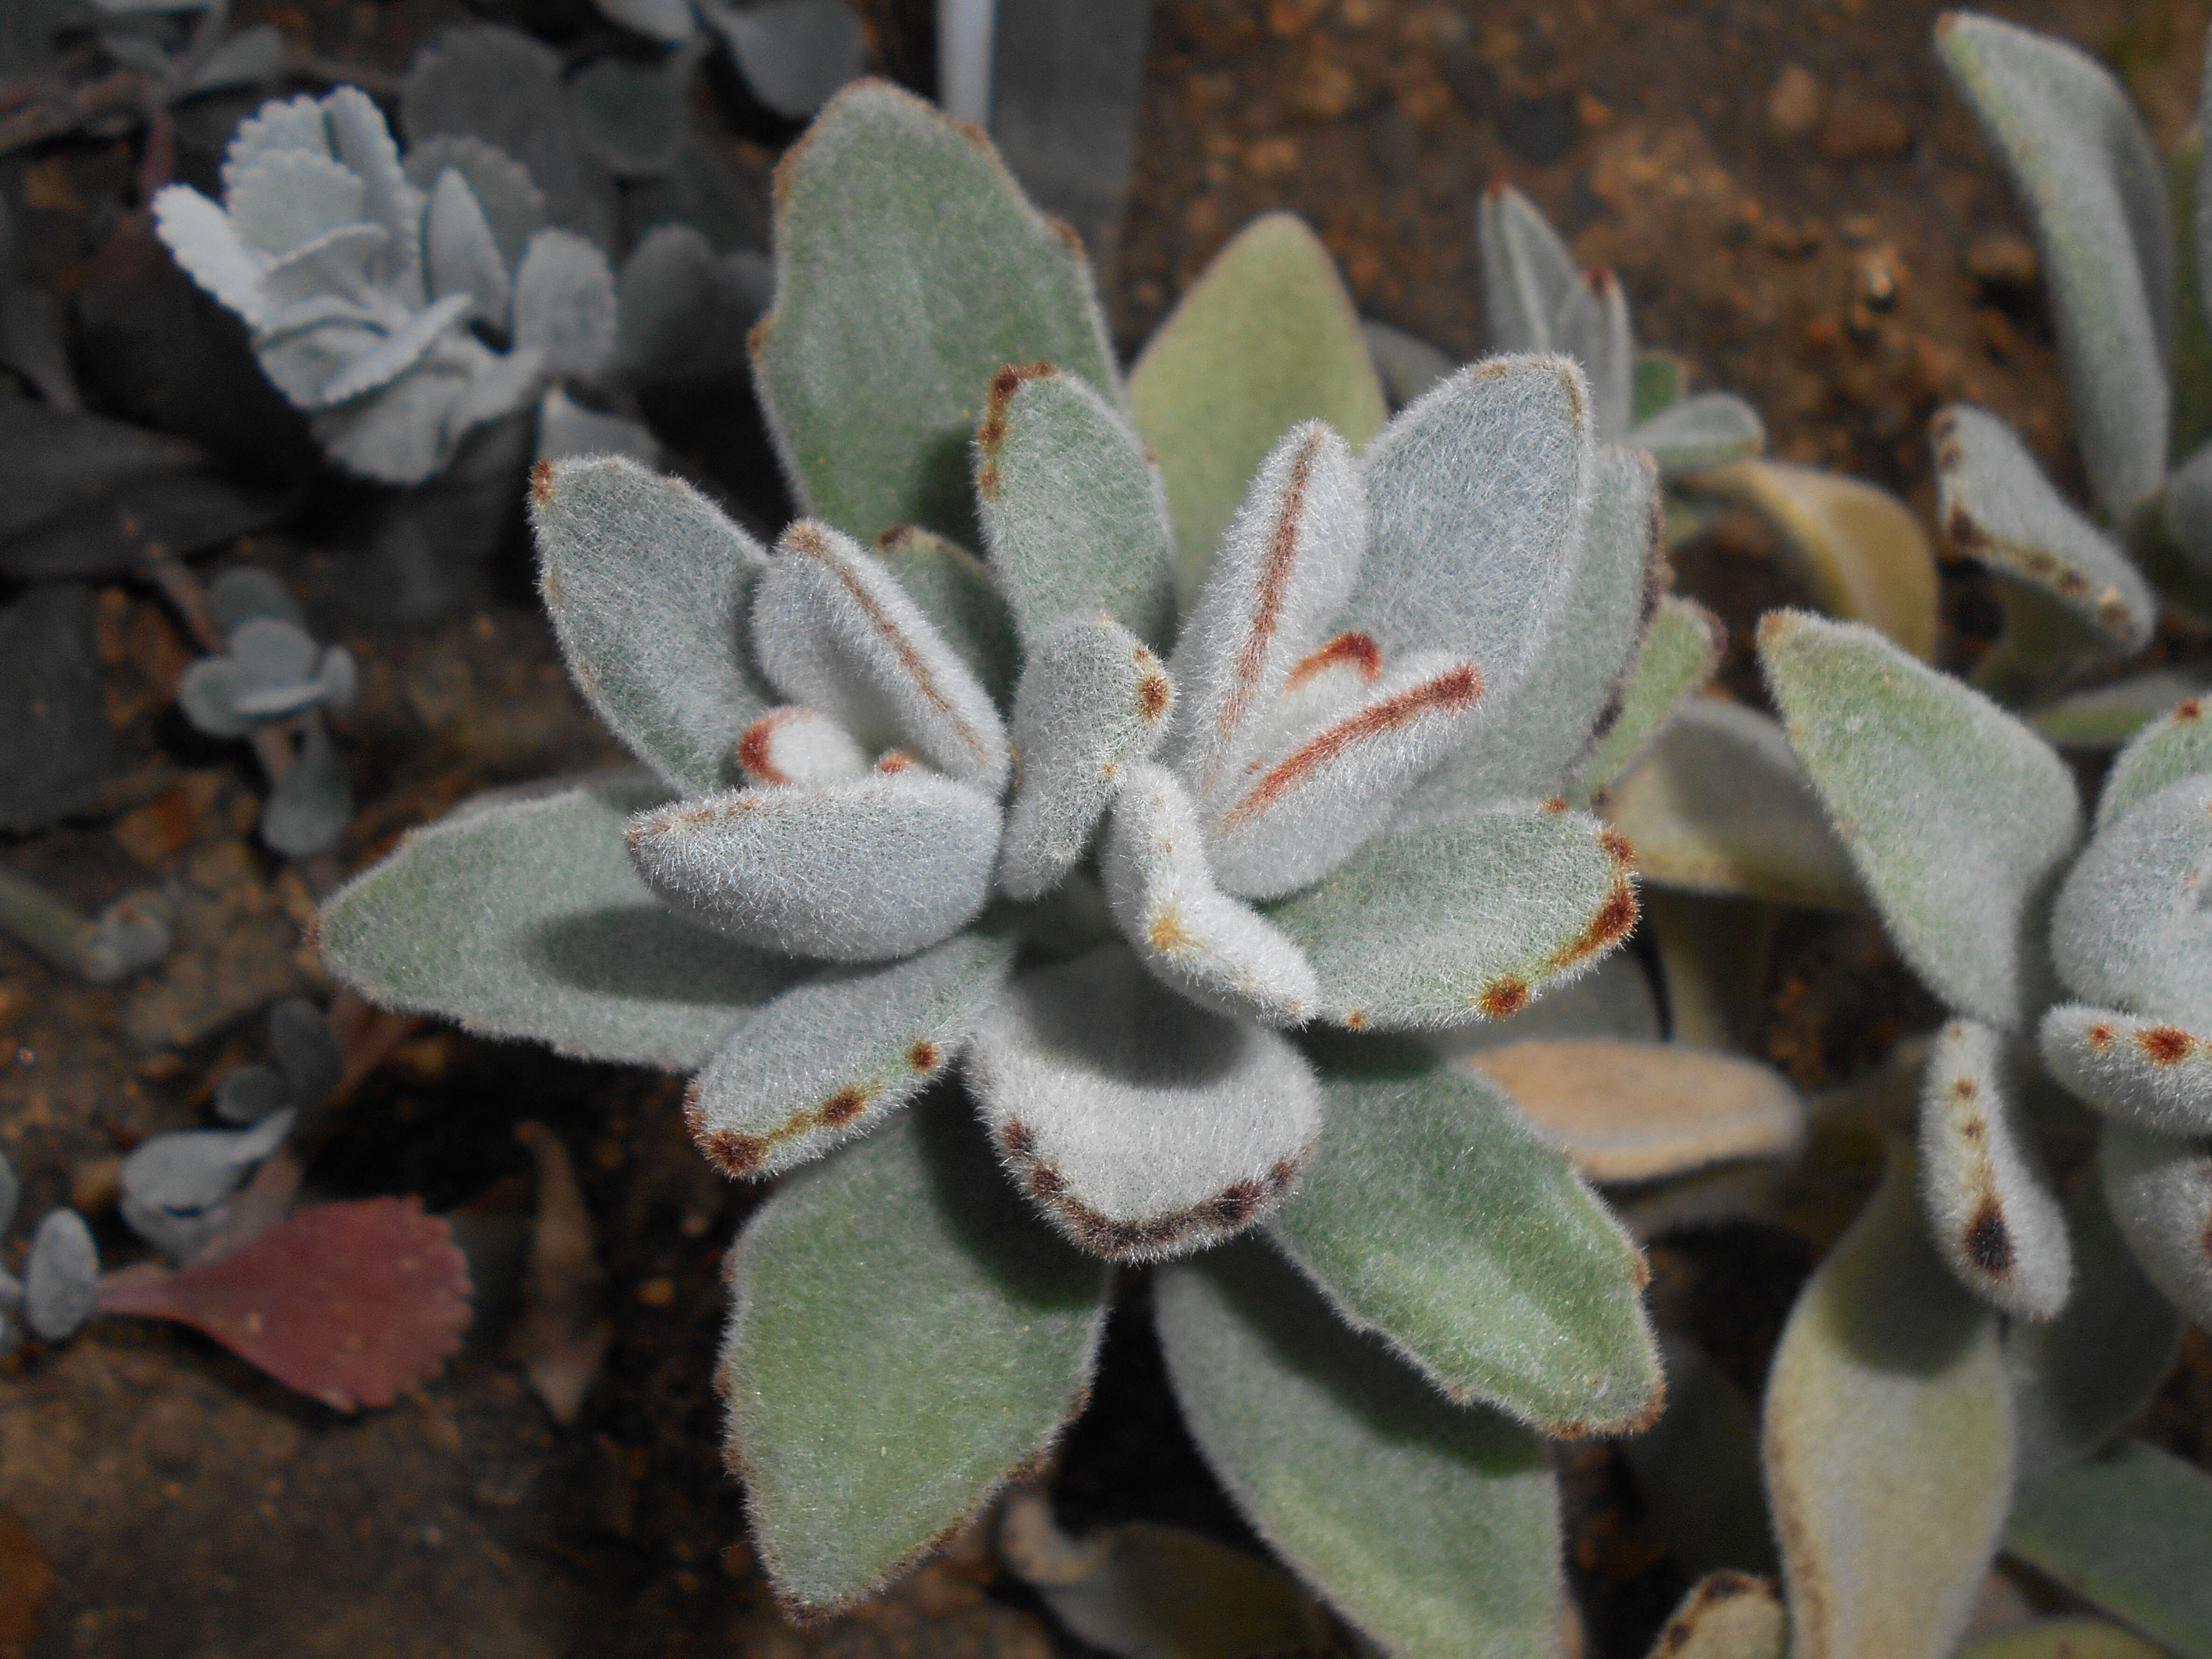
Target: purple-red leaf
348,1303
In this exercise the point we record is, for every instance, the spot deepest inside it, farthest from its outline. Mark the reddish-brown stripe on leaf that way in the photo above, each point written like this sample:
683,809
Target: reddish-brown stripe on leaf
757,748
1281,564
1447,693
1357,649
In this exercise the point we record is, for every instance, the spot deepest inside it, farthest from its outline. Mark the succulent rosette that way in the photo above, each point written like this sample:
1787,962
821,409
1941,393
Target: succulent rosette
1099,890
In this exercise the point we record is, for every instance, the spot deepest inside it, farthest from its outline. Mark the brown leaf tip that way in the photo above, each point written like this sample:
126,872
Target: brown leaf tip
735,1154
1153,695
1988,1242
1355,650
1355,1019
541,484
842,1106
1017,1138
2190,710
1621,849
2101,1035
2165,1045
894,760
924,1056
1503,997
1964,1088
756,751
1555,803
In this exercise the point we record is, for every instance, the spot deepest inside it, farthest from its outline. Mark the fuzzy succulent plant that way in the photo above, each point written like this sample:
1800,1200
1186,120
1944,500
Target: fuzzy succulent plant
1036,918
405,303
2078,587
60,1279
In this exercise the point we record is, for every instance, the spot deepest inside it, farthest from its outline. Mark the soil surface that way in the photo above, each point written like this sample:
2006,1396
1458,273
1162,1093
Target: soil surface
1795,203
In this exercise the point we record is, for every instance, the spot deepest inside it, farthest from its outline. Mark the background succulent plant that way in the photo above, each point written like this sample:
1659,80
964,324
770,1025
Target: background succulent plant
2078,587
1326,795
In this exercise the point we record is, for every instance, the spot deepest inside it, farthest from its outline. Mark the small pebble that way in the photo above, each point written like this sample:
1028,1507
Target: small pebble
1793,108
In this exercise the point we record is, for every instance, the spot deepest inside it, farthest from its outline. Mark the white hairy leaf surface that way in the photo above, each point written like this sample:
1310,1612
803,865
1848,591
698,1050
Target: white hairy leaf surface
564,302
1480,496
285,198
1284,570
954,590
1324,685
2152,1073
1528,276
460,255
1290,816
1990,1211
1529,745
1888,1442
61,1281
295,123
1709,428
331,273
872,384
1093,703
834,631
2175,745
525,919
1958,817
202,239
2080,1378
648,585
510,199
1433,1528
1680,652
1997,507
1217,386
829,1059
1613,999
1220,953
1592,329
392,355
2185,513
1641,1110
2095,191
403,433
1434,1216
1141,1125
1465,921
1726,1615
568,431
1407,364
2105,717
2160,1192
2133,924
364,144
2124,1532
1721,805
856,870
1074,514
799,745
904,1341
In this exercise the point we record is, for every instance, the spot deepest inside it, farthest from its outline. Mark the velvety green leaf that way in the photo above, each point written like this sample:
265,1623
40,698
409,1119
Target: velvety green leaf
1143,1126
459,254
1074,511
1407,365
1465,921
2186,516
524,919
2080,1378
1528,276
954,589
1541,730
2160,1192
1296,810
1990,1211
1640,1111
564,303
852,870
1681,650
364,144
1613,999
1286,564
632,113
834,631
872,386
1997,507
511,203
1859,548
2126,1533
566,431
648,586
1593,329
2150,1072
895,1297
1663,380
2106,716
1710,429
1958,817
1192,937
1730,1615
829,1059
793,53
1265,338
2063,1639
2091,181
1435,1217
1698,1468
2132,927
682,308
1714,955
1433,1528
2175,745
1720,805
1887,1441
1480,494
